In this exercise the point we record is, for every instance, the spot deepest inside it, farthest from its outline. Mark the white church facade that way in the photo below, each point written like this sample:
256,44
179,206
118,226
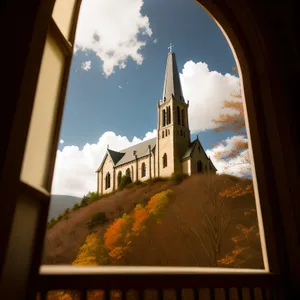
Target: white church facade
170,152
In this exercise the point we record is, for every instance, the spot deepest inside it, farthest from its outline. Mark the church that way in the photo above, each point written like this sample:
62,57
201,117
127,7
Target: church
172,151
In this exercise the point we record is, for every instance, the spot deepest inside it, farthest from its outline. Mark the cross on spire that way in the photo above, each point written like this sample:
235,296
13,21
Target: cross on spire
170,47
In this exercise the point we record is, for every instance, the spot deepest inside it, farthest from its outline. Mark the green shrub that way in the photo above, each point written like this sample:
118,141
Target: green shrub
125,181
177,178
75,207
85,201
93,196
99,218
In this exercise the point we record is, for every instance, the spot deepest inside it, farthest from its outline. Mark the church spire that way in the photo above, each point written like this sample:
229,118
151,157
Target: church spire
172,86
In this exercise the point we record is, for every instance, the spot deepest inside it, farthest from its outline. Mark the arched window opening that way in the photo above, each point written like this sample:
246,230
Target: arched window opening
163,134
199,166
164,117
165,160
127,173
119,177
166,132
107,181
182,118
178,115
143,170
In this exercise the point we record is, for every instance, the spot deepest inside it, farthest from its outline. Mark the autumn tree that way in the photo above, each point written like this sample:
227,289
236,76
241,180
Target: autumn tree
215,218
235,122
246,245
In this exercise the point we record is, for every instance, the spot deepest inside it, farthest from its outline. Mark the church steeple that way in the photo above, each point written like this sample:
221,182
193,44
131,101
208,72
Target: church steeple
172,86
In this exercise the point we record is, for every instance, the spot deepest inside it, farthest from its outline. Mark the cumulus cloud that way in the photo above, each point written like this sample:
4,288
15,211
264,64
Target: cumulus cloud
86,65
155,41
114,30
61,141
75,168
238,166
206,90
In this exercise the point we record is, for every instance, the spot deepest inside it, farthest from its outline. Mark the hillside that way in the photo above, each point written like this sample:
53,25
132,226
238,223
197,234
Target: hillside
203,221
59,203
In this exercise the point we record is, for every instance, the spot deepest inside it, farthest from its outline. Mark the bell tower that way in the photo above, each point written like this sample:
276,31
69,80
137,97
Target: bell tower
173,134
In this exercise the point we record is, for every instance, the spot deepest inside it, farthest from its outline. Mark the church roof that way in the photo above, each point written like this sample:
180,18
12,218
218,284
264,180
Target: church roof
141,150
190,149
127,155
115,156
172,86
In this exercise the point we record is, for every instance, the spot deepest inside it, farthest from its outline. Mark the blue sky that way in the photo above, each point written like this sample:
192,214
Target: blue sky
114,100
95,104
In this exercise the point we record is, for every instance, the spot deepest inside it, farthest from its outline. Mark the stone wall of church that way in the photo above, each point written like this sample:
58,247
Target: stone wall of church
166,147
186,167
144,160
106,168
131,166
199,155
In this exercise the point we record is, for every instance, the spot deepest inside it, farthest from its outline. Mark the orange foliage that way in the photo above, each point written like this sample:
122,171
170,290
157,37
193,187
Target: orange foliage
237,191
247,244
119,235
89,253
139,216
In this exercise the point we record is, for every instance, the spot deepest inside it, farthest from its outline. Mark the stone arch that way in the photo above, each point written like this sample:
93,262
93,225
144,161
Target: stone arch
165,160
119,177
107,181
199,166
143,169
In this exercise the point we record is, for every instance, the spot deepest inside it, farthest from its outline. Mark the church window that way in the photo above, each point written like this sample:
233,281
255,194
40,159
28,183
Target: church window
181,132
169,115
143,169
199,166
119,177
169,131
164,117
107,181
128,172
165,160
166,132
163,134
182,117
178,115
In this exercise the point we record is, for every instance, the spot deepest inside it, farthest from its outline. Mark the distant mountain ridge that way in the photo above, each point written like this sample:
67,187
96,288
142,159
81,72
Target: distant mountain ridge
59,203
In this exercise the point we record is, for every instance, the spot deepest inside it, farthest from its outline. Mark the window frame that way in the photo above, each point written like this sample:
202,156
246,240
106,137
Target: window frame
271,167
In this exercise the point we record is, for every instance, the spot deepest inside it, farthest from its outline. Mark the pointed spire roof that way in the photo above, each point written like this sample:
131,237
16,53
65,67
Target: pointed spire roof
172,85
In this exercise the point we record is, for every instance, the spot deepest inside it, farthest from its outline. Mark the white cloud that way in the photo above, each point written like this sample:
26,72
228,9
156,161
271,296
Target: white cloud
114,30
75,168
120,87
237,166
205,90
86,65
155,41
61,141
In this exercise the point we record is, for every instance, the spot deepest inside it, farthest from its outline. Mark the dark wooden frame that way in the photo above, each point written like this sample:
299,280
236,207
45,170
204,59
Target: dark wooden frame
264,39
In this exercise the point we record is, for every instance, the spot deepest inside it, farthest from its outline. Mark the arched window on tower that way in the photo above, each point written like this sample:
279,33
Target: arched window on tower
199,166
178,115
143,169
165,160
107,181
182,117
169,111
119,177
164,117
